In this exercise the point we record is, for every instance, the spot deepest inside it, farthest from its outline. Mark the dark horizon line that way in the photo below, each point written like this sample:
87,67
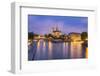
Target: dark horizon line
62,33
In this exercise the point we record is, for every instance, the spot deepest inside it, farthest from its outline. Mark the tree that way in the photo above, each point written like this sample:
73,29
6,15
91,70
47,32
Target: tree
84,35
30,35
46,35
50,35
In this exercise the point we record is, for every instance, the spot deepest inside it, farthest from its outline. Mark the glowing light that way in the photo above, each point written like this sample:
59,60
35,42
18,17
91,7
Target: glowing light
50,45
44,46
86,52
75,49
50,49
29,42
38,44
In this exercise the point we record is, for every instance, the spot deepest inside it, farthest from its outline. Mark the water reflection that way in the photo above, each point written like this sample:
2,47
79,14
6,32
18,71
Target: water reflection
46,50
76,49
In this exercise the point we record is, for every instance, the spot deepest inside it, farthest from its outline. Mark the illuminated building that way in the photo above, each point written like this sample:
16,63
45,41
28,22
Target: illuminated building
56,32
75,36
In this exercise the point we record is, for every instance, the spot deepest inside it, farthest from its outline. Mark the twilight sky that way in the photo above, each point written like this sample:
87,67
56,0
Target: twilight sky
43,24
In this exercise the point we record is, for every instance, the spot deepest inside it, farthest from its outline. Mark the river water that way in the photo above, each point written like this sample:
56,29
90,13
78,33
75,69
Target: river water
47,50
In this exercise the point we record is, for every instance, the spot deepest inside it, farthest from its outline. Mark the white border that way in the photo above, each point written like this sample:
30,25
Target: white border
19,38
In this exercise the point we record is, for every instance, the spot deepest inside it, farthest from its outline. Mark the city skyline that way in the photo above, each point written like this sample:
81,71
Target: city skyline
43,24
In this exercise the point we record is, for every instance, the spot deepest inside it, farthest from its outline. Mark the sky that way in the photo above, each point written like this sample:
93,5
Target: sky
43,24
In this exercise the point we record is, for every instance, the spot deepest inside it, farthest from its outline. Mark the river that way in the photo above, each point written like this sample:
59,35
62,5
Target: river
47,50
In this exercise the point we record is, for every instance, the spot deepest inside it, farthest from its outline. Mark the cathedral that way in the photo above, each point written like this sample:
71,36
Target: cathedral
56,32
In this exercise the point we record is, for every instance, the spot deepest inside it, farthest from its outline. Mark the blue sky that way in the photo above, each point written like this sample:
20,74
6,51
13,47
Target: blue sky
43,24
